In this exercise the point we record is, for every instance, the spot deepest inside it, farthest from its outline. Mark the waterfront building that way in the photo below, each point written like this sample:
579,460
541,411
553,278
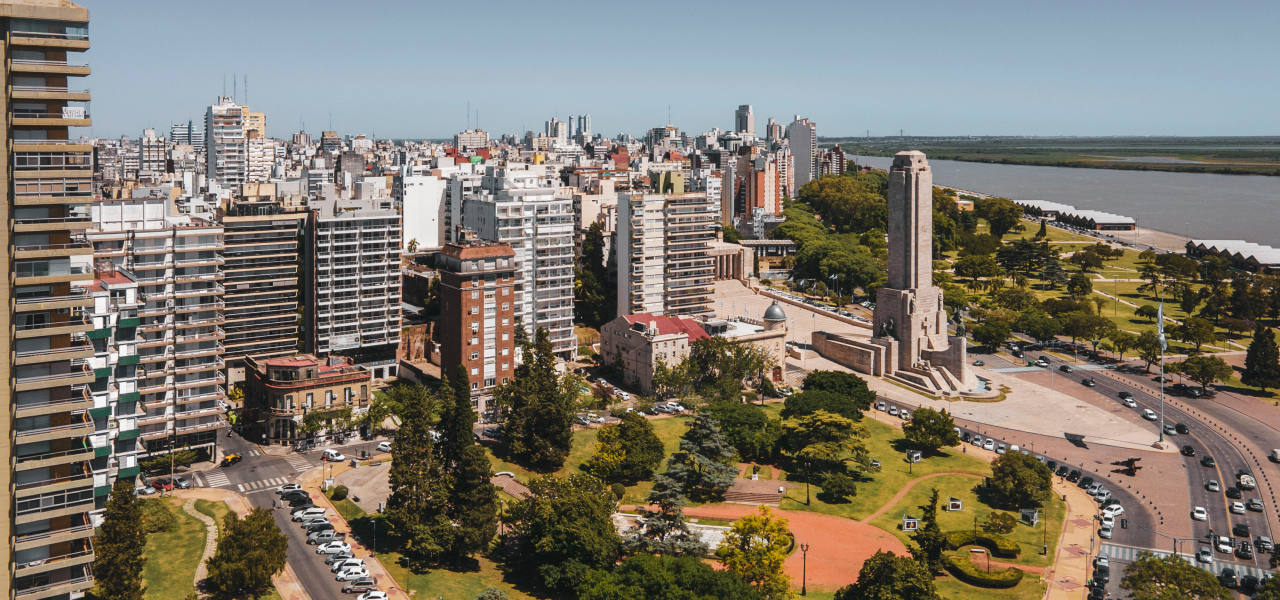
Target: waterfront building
802,136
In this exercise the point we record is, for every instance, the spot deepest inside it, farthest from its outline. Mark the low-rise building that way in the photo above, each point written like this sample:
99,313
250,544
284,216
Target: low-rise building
281,392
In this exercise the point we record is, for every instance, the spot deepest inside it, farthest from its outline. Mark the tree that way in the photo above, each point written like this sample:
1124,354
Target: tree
844,384
1001,214
1188,299
473,502
1203,370
1271,589
1020,480
1044,229
931,429
1079,285
1147,312
664,531
457,419
839,486
999,522
251,550
1053,274
979,245
595,291
731,234
810,401
704,468
1086,260
1170,578
1148,347
647,577
976,266
747,428
413,245
825,439
418,507
540,406
1086,325
431,303
930,539
1195,330
845,203
629,450
991,334
1262,361
754,549
563,531
1039,325
119,545
887,576
1217,301
1122,341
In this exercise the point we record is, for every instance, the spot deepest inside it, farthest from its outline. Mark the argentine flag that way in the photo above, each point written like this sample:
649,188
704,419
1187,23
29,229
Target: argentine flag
1164,344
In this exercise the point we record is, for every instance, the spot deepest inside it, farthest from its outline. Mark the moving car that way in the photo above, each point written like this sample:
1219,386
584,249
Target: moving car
1237,508
333,548
1149,414
332,455
1188,450
1233,493
1126,395
1254,505
1088,382
288,487
1213,486
384,447
1240,530
230,459
1183,429
978,363
1169,429
1063,368
1205,555
1208,461
1129,402
1228,577
1247,482
1223,544
1199,514
1245,550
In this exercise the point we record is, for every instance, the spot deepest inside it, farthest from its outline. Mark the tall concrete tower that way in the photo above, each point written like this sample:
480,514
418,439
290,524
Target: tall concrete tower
744,120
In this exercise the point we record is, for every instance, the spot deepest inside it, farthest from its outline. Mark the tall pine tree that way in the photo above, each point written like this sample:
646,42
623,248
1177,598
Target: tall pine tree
473,502
250,552
540,408
457,419
119,545
664,531
1262,361
417,509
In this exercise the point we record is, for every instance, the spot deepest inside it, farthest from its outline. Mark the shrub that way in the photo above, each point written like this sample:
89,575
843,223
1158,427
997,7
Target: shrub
492,593
156,516
618,490
839,486
339,493
999,522
967,572
997,544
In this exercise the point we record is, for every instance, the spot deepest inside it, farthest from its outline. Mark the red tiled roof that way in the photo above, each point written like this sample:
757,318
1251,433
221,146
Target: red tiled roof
669,325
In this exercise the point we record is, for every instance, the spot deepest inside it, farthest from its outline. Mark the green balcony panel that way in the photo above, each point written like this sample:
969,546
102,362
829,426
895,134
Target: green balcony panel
101,452
101,491
131,434
101,412
129,397
103,372
132,359
127,472
99,334
134,322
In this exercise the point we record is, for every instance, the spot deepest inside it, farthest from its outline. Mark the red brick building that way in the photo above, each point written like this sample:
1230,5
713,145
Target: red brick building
478,294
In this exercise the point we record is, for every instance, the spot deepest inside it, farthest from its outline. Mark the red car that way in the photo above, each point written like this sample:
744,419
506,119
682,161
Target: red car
162,484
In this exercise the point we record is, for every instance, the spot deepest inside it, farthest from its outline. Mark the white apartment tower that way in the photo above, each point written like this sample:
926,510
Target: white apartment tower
744,120
151,153
803,136
226,157
664,262
525,206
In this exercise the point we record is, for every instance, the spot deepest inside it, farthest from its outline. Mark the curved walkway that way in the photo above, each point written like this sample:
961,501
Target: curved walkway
210,540
905,490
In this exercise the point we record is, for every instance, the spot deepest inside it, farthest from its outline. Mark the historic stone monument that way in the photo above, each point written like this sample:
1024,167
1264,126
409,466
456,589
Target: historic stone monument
909,334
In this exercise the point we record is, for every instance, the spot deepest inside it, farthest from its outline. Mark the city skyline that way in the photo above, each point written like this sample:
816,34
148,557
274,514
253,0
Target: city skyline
980,69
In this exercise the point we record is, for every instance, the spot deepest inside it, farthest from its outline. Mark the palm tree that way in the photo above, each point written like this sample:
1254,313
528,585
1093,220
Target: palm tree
413,245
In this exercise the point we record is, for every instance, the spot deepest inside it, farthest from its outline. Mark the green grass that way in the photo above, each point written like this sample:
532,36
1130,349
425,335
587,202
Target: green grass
345,507
895,473
216,510
1030,588
583,447
962,487
172,556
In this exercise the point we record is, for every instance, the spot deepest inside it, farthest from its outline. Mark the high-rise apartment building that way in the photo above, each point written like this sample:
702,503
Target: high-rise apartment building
330,142
663,249
255,123
47,455
478,291
525,206
187,134
803,139
355,311
419,196
260,157
225,153
263,277
744,120
302,139
152,153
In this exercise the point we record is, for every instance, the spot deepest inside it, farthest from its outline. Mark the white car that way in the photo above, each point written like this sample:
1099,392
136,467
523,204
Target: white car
1108,521
1200,514
1114,510
1149,414
1205,555
1105,532
1130,403
333,456
384,447
288,487
346,562
1237,508
990,444
333,547
372,596
352,574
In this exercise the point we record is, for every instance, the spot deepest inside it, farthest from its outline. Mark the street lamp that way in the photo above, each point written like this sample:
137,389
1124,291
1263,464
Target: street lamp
808,474
804,569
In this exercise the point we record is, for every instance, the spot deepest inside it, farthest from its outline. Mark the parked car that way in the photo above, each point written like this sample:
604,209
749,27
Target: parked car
384,447
990,444
1245,550
333,548
1264,544
1114,510
352,574
337,557
364,583
344,563
315,521
332,455
1205,555
1063,471
162,484
1240,530
1074,475
1237,508
1105,533
288,487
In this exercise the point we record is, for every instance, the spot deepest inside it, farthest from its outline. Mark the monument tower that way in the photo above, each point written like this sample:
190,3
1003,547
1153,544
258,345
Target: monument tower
910,320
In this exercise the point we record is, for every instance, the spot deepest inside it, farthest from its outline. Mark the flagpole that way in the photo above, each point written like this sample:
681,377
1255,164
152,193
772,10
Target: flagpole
1164,345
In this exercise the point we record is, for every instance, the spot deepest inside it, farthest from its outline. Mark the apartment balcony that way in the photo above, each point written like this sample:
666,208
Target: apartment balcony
64,273
153,419
215,290
213,320
74,248
154,388
79,399
81,426
219,394
79,323
218,423
196,262
80,348
81,373
44,565
199,412
156,326
52,119
50,459
198,277
215,349
50,92
202,366
57,484
62,588
157,433
216,334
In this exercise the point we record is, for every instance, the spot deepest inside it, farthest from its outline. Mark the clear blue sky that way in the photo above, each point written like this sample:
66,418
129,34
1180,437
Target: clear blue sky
408,68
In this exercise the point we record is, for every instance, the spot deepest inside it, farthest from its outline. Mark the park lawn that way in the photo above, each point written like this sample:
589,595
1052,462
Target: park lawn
449,584
895,473
668,429
952,589
216,510
345,507
172,556
962,487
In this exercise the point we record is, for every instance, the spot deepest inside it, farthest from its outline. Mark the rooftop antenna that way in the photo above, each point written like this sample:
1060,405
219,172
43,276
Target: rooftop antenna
668,114
234,92
224,84
468,114
246,88
330,121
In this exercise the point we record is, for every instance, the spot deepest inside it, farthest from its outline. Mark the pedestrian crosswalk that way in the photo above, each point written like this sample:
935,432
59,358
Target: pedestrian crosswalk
298,462
257,486
1130,554
216,479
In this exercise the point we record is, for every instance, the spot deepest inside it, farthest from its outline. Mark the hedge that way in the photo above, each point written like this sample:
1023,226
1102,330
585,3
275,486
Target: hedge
996,543
339,493
966,571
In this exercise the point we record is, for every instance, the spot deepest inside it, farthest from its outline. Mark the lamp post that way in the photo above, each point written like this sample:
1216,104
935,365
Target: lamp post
804,569
808,474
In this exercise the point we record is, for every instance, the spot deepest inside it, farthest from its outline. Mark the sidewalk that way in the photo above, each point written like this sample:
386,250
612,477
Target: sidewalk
1070,570
286,582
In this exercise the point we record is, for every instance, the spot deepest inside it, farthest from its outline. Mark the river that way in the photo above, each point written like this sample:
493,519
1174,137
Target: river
1204,206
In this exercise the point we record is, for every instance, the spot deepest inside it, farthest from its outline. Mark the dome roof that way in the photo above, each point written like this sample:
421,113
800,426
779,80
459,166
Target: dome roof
774,312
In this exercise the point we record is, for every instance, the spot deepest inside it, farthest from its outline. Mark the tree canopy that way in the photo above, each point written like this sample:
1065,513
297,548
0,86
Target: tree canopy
564,532
754,549
119,545
887,576
648,577
931,429
540,407
1170,578
1020,480
251,550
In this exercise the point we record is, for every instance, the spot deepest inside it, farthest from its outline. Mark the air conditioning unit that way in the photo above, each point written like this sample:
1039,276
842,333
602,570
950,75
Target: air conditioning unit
63,311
